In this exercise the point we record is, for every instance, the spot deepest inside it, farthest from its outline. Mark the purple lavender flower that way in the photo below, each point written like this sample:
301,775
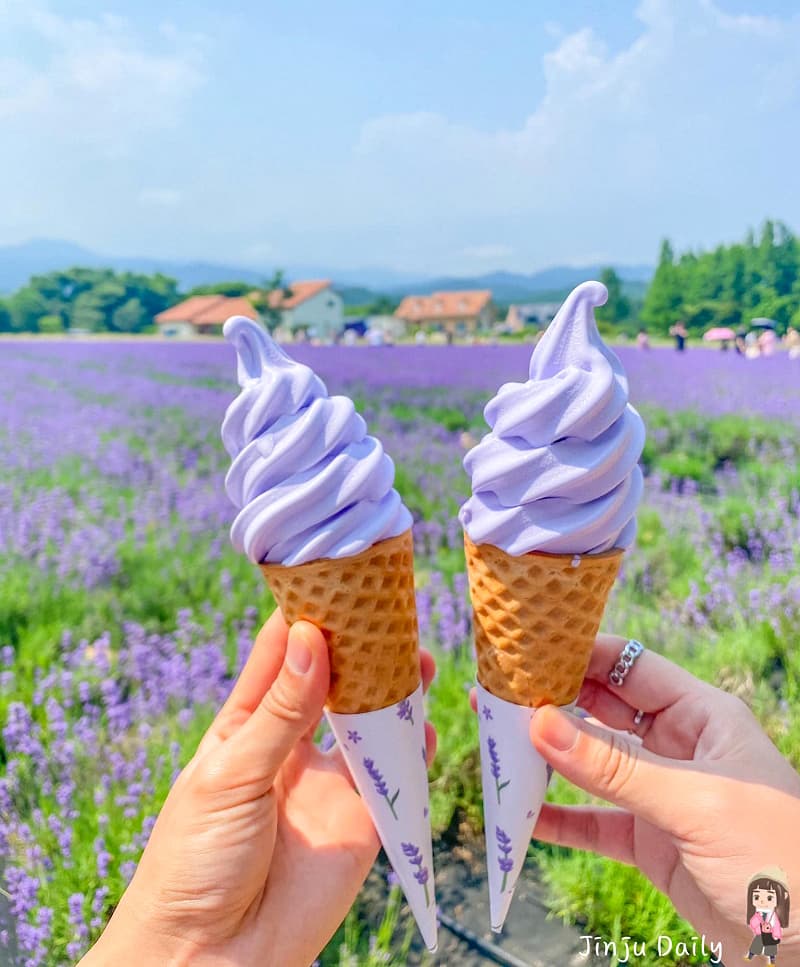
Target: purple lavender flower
494,756
421,874
504,861
405,711
487,713
380,784
353,736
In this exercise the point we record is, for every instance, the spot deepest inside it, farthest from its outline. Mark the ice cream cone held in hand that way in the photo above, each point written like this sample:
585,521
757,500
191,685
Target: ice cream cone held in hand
555,488
318,513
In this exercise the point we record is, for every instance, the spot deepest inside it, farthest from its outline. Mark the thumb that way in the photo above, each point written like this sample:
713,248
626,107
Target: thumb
609,765
288,710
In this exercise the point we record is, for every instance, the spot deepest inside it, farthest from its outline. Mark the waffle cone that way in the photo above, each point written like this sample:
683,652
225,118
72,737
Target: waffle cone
366,607
535,618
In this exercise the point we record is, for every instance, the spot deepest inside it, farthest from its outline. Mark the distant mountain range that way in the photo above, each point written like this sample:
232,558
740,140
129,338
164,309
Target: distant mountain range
19,262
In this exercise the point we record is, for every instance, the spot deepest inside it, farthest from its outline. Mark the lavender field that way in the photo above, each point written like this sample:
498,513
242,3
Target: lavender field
124,613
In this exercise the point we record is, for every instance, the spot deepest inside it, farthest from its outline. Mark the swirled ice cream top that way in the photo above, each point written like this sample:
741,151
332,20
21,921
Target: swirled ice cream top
559,470
307,480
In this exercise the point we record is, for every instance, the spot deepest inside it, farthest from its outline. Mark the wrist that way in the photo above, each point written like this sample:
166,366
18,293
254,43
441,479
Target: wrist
133,936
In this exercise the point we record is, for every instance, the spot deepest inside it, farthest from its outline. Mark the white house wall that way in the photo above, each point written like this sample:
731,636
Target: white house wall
323,313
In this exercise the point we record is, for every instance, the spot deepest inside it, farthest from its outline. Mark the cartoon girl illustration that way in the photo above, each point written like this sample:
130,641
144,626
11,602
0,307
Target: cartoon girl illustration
767,911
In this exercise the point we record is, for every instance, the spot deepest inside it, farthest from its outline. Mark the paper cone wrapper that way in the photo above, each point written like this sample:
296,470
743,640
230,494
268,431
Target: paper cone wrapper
535,618
385,752
514,778
366,606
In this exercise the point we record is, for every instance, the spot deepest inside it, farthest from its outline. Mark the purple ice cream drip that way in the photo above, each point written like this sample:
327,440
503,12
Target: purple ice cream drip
421,875
405,711
494,757
504,861
380,784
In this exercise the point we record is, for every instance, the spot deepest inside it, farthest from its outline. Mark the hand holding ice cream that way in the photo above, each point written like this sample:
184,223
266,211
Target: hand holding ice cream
555,487
318,512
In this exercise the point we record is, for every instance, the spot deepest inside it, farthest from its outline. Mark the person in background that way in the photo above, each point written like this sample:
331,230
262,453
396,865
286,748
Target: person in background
739,343
768,342
680,334
752,349
792,342
642,339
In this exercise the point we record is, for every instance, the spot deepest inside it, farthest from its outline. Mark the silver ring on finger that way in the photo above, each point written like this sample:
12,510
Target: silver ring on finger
632,650
641,725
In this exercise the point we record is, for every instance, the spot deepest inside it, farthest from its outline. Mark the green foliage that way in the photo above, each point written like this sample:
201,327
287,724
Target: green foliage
5,317
728,286
267,302
92,299
617,309
51,324
222,288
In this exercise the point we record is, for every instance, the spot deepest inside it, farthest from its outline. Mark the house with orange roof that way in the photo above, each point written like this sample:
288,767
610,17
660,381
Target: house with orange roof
308,307
203,315
454,313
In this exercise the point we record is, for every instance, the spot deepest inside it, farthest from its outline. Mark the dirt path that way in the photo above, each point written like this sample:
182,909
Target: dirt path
529,937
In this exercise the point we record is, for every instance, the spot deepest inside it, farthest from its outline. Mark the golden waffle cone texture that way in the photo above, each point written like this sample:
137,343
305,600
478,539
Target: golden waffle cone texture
535,618
366,607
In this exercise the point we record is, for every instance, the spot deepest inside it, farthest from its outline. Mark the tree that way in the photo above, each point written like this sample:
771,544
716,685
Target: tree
663,297
26,307
269,301
221,288
131,316
729,285
90,299
51,324
382,306
618,307
5,317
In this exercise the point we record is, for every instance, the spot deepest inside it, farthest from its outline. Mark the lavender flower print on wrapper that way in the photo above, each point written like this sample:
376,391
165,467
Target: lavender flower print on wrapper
487,713
380,784
504,861
494,757
353,736
421,874
405,712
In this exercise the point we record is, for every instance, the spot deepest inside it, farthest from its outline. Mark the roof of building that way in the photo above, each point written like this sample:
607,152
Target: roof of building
444,305
300,292
207,310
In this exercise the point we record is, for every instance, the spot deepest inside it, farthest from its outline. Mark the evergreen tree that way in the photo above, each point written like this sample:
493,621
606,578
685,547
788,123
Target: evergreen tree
663,299
618,307
730,285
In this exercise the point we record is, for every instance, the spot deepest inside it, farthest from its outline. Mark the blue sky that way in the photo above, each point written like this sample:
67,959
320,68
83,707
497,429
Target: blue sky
447,137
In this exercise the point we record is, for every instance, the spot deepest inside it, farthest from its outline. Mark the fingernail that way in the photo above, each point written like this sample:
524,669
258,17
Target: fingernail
558,729
298,654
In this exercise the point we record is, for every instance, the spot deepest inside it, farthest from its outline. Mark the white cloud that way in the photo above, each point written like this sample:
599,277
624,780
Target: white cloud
622,147
92,80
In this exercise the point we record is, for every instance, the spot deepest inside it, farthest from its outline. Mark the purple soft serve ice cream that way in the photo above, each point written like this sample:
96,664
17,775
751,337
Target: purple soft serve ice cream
307,480
559,470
